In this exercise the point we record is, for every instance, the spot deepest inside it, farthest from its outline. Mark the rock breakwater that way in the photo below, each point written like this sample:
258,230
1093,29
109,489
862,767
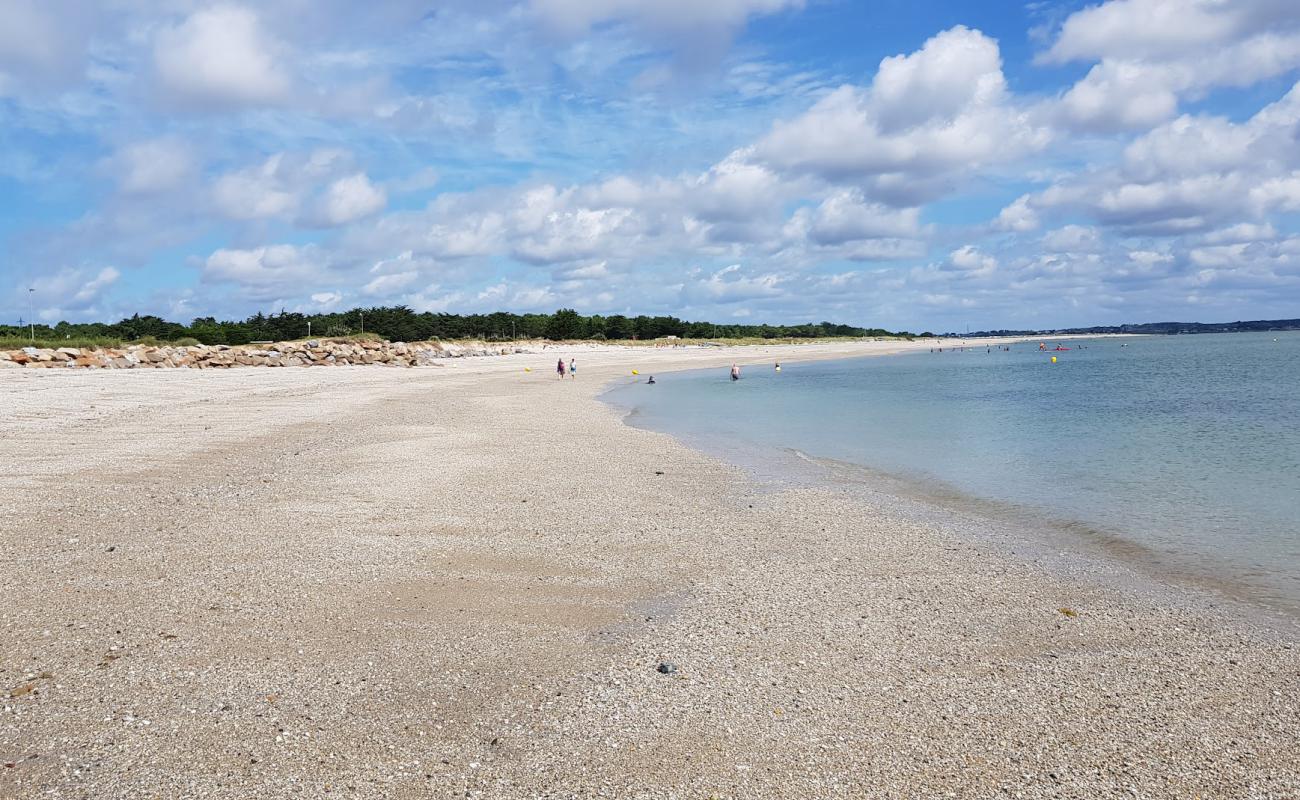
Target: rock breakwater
308,353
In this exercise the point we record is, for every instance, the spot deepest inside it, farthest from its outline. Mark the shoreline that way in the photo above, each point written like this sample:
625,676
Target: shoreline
1050,537
398,583
1027,527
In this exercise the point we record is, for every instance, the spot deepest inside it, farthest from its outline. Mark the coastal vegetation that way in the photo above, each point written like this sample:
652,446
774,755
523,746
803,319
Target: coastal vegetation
399,323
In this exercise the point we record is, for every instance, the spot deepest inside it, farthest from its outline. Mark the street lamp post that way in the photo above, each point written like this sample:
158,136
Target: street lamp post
31,314
363,321
308,329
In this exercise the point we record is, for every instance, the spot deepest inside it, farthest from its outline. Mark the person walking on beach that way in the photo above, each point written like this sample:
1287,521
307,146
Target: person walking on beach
559,369
573,368
735,372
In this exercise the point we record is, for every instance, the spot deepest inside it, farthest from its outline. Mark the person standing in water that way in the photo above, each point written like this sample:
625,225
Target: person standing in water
559,369
735,372
573,368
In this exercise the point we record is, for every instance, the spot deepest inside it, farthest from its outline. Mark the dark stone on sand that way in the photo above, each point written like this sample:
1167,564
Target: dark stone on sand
667,668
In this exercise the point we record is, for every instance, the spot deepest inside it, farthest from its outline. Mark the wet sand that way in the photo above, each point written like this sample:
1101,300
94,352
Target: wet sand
460,581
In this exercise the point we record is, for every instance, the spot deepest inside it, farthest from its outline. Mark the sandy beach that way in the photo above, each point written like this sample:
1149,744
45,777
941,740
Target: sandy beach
461,581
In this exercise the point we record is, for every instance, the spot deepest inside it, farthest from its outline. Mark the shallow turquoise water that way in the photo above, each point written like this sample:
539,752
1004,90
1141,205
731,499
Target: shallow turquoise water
1185,447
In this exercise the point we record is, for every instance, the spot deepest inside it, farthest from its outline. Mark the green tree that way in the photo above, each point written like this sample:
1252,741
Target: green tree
565,324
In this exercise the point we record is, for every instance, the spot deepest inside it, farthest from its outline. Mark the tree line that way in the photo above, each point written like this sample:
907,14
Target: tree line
399,323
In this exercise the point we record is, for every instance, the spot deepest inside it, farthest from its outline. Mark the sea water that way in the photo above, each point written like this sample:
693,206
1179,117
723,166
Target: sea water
1185,448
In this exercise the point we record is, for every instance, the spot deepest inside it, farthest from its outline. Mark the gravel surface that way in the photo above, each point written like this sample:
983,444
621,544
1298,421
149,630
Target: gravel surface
463,582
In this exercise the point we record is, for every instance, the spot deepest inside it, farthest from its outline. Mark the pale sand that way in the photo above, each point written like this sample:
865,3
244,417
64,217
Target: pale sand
459,581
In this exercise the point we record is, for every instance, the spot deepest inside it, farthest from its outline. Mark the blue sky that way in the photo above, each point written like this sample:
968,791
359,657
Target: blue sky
923,164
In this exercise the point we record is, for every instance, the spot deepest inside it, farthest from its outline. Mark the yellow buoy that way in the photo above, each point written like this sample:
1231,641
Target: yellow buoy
634,372
1053,359
528,369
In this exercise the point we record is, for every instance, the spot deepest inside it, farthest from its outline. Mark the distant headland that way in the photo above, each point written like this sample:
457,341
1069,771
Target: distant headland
1161,328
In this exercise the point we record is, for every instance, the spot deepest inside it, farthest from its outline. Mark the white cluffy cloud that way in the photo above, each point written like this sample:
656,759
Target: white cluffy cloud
1188,175
221,56
1152,53
927,119
257,192
352,198
315,189
264,273
326,301
72,291
386,285
969,259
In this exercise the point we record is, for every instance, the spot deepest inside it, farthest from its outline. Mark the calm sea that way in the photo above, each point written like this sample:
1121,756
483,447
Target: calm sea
1181,450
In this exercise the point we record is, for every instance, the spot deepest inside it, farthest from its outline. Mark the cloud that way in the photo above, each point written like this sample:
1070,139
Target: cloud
1190,174
578,16
1018,216
91,290
316,189
385,285
589,272
352,198
729,285
928,120
1119,96
1073,239
326,301
72,292
153,166
1163,29
266,272
256,193
968,258
845,216
220,56
42,43
1241,232
552,228
697,32
1153,53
